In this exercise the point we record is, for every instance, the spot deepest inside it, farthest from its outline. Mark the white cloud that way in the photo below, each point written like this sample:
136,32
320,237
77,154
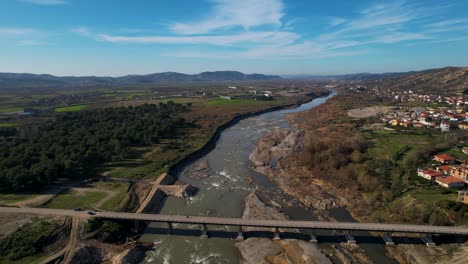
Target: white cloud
450,25
256,29
231,14
336,21
383,23
16,31
400,36
221,40
44,2
30,42
83,31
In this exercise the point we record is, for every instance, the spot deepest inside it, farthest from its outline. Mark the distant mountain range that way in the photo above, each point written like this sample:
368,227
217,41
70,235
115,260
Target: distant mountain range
453,79
350,77
27,80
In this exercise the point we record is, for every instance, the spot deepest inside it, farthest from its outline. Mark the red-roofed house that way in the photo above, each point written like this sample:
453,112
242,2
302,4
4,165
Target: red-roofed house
430,174
444,158
446,169
450,182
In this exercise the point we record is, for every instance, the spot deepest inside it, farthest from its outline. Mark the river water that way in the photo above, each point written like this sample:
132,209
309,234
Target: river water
223,193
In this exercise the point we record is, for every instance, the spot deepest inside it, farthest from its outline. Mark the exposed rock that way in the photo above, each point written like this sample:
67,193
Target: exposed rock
201,170
87,255
272,157
442,254
256,209
263,250
278,144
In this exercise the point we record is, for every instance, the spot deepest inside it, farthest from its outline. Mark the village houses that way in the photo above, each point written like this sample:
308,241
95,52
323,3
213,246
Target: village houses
450,173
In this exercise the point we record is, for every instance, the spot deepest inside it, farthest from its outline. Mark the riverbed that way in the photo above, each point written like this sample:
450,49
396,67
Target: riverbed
222,190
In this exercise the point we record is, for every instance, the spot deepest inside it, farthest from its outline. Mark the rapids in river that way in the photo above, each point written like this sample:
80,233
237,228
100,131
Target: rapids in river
223,191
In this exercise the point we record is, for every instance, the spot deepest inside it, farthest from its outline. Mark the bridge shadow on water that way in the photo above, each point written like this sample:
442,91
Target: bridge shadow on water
322,237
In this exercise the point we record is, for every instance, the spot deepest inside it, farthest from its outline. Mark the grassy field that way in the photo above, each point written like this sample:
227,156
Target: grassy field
120,190
11,109
71,108
8,125
13,198
235,102
26,260
102,195
429,197
388,143
73,199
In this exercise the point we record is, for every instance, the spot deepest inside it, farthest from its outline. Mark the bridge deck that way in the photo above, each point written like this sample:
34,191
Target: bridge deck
317,225
395,228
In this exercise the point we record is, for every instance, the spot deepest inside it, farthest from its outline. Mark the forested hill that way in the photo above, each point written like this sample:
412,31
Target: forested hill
27,80
76,143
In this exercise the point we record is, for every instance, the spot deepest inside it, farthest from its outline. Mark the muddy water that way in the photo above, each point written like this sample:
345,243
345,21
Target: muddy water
222,193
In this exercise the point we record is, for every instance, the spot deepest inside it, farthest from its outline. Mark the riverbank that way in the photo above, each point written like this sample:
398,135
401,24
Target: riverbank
224,179
327,168
211,143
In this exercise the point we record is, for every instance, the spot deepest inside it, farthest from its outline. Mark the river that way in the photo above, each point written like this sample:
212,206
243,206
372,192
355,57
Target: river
224,191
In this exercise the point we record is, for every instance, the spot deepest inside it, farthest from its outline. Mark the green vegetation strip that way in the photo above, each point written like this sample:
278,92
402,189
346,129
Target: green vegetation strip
8,125
233,102
11,109
71,108
26,241
73,199
13,198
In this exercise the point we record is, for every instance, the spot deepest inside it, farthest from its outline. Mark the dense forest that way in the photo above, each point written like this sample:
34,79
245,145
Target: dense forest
74,144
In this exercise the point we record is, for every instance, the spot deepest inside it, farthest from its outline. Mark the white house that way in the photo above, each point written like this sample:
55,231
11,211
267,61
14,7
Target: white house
444,126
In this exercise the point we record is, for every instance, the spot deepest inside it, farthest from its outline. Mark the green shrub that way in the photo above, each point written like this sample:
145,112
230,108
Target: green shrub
27,240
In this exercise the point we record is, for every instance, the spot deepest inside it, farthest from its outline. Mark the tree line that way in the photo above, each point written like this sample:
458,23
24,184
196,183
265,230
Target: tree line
75,144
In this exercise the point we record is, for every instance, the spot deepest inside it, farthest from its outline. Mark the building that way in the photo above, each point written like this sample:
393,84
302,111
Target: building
450,182
460,172
463,196
444,158
430,174
445,169
445,126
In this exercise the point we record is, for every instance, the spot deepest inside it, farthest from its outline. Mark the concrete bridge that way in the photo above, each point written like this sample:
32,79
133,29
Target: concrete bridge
348,228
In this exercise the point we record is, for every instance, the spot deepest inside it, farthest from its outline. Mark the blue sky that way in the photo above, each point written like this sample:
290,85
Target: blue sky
117,37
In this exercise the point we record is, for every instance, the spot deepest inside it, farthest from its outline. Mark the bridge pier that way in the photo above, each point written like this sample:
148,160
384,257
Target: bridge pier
349,237
277,234
137,226
427,239
169,227
204,231
240,236
313,239
387,237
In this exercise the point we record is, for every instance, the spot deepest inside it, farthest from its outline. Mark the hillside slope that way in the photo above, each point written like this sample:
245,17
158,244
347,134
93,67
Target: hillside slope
449,80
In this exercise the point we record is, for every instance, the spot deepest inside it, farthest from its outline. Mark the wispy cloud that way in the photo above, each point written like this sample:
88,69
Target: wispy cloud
30,42
16,31
336,21
226,14
450,25
220,40
44,2
257,29
83,31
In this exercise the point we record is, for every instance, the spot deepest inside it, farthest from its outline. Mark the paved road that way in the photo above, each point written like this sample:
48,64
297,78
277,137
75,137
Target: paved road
395,228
